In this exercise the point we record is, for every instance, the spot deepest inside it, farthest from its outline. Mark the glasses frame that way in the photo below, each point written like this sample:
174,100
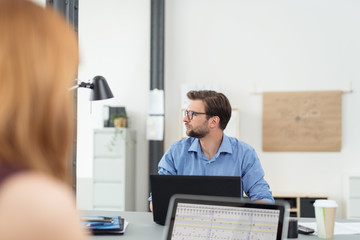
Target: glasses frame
190,114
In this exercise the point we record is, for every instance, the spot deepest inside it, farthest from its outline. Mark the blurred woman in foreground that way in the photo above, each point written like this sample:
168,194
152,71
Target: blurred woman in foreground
38,62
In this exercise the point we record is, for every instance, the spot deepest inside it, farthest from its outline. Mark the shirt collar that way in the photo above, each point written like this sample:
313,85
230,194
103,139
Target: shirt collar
224,147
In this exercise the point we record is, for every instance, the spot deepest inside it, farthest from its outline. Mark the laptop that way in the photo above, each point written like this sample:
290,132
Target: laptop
164,186
206,217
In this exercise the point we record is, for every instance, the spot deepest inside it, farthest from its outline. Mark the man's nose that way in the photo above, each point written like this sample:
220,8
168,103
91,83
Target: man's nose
186,119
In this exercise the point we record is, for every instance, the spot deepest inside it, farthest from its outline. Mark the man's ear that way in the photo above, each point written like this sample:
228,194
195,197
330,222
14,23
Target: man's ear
214,121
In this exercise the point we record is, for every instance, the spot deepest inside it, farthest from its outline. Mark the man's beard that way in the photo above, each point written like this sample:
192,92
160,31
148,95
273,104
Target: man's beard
199,132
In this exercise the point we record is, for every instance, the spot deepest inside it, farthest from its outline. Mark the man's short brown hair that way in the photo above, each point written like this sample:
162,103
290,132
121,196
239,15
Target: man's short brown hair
216,104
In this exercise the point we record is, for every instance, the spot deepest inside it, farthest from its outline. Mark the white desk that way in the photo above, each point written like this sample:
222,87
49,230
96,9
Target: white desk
141,226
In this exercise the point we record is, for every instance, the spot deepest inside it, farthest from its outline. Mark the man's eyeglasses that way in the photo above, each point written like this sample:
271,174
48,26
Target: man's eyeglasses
191,114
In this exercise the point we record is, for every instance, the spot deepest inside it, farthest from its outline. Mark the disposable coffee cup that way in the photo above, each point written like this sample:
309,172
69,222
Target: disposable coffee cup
325,217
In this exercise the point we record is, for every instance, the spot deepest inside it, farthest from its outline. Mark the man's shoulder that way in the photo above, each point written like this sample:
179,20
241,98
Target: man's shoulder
236,143
178,149
182,146
183,142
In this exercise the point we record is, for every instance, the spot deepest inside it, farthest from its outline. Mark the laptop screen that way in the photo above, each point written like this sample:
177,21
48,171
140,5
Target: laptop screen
164,186
224,218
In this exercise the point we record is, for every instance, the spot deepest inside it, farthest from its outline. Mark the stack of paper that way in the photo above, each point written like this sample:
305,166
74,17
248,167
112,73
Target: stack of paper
341,228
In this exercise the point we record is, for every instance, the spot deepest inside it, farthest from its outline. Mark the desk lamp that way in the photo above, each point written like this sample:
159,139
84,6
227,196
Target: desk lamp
99,86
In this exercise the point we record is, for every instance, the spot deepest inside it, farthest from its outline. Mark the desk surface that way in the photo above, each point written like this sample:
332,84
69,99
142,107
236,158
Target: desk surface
141,226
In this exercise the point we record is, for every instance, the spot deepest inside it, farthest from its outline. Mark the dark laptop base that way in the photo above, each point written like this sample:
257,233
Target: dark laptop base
164,186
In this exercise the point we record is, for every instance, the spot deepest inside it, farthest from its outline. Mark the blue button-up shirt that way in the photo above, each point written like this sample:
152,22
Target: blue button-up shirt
234,158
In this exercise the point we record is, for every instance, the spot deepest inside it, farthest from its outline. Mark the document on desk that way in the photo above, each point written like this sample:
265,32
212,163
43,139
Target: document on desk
341,228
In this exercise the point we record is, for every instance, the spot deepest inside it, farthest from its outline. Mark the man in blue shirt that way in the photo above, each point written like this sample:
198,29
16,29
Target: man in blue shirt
208,151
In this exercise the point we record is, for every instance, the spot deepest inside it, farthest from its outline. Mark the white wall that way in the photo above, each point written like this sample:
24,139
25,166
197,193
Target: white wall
114,38
262,45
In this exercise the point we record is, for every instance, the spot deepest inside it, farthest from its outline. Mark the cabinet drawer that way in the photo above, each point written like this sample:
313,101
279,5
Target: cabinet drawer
354,206
109,169
354,186
108,195
109,144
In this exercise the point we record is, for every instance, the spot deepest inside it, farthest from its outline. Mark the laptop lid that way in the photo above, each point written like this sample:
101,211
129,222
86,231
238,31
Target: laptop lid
164,186
206,217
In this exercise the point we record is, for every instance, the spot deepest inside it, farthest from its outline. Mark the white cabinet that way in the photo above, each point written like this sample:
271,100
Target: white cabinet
352,196
114,169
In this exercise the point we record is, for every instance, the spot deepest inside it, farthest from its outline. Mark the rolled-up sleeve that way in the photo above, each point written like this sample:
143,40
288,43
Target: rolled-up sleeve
165,167
254,184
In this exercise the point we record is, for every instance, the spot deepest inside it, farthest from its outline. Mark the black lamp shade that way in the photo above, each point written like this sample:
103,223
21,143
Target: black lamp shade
100,89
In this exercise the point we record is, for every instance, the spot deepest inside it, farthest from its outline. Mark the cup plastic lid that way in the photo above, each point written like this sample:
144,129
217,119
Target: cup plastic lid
325,203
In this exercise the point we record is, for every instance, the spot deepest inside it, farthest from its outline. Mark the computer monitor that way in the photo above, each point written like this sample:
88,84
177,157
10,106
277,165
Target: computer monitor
204,217
164,186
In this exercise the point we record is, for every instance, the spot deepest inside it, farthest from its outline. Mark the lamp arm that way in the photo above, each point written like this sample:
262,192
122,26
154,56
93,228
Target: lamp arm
73,87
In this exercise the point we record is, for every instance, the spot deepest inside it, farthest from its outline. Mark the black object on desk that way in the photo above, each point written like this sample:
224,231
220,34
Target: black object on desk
305,230
293,228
